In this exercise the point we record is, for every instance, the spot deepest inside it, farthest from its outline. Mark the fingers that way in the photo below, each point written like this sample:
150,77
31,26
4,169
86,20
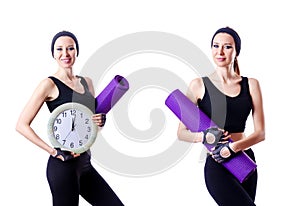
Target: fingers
60,157
223,141
64,155
75,154
227,136
222,153
216,157
99,119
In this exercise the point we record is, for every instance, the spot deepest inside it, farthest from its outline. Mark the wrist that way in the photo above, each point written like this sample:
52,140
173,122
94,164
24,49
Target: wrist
232,147
199,137
53,152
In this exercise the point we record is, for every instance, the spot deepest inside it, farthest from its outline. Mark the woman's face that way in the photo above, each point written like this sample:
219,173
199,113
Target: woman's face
223,50
65,51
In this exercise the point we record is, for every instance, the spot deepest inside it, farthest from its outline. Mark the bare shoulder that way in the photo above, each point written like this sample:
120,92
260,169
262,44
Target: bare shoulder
196,84
45,90
253,84
195,90
46,84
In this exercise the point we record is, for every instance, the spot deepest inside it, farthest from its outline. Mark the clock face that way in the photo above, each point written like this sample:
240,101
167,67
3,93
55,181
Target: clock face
71,127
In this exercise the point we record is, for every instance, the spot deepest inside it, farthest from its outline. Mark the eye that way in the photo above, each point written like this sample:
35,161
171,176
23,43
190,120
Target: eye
216,46
71,48
228,47
59,49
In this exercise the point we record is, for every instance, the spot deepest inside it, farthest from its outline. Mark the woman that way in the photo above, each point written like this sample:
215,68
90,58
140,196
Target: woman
240,95
69,175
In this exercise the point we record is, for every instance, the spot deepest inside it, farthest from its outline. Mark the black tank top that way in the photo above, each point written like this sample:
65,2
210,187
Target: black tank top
229,113
66,94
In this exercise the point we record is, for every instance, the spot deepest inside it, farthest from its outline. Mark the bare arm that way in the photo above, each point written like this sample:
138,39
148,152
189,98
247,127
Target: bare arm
195,90
41,94
258,134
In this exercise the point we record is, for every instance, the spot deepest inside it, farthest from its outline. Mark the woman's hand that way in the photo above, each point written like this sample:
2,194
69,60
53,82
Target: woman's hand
221,140
99,119
64,155
223,152
214,135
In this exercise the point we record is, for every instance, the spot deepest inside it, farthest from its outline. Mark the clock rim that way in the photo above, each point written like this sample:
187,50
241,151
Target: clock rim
58,111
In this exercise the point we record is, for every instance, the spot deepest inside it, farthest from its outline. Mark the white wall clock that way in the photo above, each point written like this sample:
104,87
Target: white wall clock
70,127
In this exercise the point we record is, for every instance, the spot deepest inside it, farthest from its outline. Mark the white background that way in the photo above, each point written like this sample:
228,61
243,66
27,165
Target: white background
270,52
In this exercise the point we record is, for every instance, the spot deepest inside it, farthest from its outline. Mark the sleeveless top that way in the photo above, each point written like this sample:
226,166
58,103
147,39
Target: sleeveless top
66,94
229,113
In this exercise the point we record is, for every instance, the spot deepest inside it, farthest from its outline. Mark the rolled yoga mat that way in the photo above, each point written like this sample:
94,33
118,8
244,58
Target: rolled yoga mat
241,166
111,94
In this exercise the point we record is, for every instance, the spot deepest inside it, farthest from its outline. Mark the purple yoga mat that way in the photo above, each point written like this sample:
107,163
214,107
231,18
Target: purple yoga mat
241,166
111,94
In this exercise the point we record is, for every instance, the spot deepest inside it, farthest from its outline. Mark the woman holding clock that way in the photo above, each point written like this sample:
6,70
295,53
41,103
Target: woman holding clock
69,174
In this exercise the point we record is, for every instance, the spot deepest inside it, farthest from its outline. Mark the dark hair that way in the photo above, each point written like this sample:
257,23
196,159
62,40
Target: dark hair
237,42
64,33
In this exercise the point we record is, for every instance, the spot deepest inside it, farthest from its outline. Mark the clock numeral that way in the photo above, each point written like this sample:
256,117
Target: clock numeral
58,121
86,121
64,141
72,145
57,136
80,143
88,129
55,128
73,112
86,137
64,114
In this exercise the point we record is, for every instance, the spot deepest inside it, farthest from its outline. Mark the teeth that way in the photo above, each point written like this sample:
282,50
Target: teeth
66,60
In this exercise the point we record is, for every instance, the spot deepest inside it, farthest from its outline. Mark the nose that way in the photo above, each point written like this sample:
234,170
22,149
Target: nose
221,50
65,52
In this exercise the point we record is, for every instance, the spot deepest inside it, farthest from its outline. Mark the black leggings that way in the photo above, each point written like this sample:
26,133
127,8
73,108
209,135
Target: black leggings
225,189
68,180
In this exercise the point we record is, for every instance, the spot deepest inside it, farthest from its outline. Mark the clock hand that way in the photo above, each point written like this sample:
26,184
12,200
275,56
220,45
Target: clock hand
68,134
73,123
73,127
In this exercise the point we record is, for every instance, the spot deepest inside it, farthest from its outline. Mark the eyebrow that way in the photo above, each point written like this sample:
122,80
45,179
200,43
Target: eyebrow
227,43
72,45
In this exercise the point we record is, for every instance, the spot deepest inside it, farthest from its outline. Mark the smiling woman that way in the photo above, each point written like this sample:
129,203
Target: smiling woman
240,95
69,174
